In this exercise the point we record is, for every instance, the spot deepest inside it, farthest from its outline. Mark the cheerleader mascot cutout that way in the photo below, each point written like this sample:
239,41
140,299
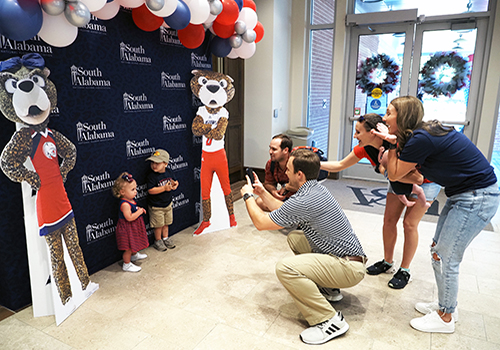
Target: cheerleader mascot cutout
26,97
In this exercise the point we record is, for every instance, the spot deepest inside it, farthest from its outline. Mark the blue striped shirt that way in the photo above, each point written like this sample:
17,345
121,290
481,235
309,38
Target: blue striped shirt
314,209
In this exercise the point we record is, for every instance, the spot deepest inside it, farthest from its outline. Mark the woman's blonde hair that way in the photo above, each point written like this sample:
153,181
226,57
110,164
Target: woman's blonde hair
122,180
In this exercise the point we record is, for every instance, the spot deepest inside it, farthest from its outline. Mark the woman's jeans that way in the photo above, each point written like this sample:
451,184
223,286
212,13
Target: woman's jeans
463,216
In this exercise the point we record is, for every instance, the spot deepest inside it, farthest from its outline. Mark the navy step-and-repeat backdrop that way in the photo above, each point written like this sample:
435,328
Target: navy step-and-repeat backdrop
122,93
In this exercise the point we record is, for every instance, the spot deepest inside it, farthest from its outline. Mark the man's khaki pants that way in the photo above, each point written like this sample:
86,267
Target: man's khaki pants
303,273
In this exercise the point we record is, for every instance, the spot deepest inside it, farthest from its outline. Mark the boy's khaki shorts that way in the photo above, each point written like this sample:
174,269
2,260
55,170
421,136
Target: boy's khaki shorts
160,216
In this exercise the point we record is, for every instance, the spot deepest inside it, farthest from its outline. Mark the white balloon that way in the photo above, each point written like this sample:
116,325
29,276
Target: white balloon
246,50
169,8
211,18
108,11
94,5
249,16
200,10
57,31
131,3
232,54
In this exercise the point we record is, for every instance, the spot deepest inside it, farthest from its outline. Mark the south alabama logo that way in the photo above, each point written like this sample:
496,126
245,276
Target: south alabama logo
93,27
96,183
49,150
133,54
89,133
136,149
133,103
169,37
33,45
200,61
88,78
177,163
179,201
99,230
172,81
173,124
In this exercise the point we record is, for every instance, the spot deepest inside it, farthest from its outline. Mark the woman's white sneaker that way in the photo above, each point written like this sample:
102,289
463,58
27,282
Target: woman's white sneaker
432,323
427,308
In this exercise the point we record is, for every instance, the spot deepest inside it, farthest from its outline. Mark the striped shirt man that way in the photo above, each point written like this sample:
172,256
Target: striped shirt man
314,209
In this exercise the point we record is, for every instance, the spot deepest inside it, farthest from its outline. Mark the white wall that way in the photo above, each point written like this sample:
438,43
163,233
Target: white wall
267,82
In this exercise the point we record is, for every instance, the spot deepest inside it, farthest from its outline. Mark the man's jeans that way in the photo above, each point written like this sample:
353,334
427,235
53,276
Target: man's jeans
463,216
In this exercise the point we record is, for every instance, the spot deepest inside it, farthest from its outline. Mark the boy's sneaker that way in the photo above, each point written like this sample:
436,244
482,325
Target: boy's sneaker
331,294
168,244
325,331
400,279
130,267
380,267
159,245
427,308
432,323
138,256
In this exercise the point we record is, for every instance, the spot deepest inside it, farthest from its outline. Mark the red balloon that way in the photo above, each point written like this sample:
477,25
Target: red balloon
145,20
259,30
251,4
223,31
192,36
229,14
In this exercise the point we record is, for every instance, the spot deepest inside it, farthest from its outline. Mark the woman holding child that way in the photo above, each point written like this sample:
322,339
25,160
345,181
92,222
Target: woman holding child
368,147
450,159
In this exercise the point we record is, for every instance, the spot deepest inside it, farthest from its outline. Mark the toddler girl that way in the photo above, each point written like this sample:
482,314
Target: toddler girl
131,233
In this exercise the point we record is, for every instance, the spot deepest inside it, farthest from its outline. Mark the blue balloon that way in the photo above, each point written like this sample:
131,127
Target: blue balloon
180,18
20,19
239,3
220,47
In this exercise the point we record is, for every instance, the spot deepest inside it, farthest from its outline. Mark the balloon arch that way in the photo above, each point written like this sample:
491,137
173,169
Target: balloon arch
234,23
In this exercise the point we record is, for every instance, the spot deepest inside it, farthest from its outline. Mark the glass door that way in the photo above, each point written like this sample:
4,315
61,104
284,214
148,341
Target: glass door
380,65
440,63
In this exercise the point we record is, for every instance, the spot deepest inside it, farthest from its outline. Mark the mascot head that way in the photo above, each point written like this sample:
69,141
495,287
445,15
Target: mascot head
212,88
26,94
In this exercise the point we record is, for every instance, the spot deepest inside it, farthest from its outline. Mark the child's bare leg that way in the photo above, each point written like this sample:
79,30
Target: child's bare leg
420,195
164,232
126,256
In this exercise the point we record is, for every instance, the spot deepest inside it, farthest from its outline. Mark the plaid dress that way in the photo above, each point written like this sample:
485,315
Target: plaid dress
131,234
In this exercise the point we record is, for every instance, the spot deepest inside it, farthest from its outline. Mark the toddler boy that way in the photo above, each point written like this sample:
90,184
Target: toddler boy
161,182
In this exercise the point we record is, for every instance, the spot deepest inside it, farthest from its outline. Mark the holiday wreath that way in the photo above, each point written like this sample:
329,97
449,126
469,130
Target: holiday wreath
378,71
443,74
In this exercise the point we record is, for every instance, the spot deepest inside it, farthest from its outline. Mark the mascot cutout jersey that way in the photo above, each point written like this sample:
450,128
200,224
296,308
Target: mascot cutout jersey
27,96
214,90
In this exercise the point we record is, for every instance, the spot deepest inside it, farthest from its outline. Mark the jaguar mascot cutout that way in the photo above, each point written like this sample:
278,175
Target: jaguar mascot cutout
27,96
214,90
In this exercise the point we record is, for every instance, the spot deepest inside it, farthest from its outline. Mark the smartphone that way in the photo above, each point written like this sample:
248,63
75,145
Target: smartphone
251,175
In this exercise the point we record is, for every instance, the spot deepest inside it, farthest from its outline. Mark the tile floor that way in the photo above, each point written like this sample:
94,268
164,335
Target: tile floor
219,291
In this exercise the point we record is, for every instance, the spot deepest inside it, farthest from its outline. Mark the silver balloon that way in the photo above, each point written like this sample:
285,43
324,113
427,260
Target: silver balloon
249,36
235,41
77,13
215,7
53,7
155,5
240,27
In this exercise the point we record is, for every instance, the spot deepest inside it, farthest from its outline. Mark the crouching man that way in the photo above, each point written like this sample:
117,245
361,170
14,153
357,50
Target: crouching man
328,254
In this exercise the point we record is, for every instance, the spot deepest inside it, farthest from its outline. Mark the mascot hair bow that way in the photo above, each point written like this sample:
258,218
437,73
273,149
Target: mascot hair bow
30,61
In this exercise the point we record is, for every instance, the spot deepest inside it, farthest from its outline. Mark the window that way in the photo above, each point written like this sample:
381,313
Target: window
320,70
